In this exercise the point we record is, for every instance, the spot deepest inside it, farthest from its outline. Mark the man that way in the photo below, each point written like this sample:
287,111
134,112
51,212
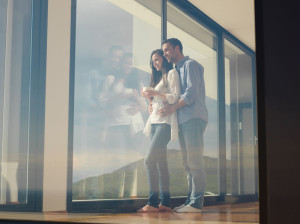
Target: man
192,120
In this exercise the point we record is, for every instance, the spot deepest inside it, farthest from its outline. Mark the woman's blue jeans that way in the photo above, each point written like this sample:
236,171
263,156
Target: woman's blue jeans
191,144
157,166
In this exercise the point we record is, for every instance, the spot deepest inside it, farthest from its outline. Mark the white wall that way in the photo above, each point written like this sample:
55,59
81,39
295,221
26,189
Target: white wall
57,102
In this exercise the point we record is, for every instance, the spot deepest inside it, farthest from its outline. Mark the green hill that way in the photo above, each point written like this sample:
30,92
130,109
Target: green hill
131,181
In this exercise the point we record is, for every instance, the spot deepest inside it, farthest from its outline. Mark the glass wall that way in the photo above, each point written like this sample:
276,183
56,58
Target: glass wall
15,76
200,44
240,133
114,40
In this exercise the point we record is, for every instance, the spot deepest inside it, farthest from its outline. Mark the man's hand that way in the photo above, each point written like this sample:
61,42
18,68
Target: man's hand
169,108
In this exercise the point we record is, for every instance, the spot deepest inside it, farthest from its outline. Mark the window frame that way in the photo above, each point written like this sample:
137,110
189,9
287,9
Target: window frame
129,205
37,110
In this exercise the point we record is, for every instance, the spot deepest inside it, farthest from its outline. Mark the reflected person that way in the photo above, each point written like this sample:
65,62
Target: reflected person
109,66
123,105
192,120
166,88
97,78
132,80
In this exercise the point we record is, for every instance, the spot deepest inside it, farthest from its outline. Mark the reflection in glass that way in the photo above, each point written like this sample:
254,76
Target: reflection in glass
241,165
15,45
113,42
199,44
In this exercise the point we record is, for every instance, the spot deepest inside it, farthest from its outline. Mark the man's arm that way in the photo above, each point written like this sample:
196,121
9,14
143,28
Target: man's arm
194,71
170,108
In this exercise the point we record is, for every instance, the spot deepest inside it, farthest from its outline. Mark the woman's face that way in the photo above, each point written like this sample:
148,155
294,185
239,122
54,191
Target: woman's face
126,65
157,61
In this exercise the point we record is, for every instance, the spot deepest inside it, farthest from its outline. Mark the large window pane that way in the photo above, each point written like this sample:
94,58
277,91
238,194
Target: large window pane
199,44
15,54
114,40
241,163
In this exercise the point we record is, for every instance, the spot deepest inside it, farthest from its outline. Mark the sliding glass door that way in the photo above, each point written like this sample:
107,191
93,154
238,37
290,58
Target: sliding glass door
240,123
21,104
199,43
14,103
114,40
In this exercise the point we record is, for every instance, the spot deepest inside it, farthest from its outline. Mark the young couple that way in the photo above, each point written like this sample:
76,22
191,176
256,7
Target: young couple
177,110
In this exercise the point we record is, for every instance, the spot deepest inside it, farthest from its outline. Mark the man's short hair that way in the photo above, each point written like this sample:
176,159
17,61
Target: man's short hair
174,42
115,48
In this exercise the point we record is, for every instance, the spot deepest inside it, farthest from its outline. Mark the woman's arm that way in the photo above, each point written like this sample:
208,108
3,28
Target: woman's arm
152,93
173,89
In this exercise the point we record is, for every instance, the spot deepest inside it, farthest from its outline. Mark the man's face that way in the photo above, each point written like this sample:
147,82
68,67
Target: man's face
115,58
170,52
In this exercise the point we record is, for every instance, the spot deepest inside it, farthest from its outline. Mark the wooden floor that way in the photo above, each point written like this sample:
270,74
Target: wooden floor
221,214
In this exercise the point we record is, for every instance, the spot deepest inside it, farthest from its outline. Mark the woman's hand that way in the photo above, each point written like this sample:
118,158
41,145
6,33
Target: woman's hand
151,93
144,94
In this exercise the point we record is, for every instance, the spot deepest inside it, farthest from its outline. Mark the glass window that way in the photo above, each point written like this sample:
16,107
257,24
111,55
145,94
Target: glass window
15,56
114,40
199,44
241,163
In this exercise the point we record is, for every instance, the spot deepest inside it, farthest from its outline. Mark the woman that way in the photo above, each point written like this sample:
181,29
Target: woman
166,89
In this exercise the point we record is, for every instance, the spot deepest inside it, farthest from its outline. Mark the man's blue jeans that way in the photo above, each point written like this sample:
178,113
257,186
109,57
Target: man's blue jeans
191,144
157,165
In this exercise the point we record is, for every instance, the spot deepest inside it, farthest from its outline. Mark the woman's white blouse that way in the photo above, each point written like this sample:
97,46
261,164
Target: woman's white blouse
172,91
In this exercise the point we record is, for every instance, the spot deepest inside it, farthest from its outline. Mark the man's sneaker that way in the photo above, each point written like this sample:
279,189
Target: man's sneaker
189,209
179,207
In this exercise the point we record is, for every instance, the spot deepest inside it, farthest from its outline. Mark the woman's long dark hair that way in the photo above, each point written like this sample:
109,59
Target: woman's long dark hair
156,76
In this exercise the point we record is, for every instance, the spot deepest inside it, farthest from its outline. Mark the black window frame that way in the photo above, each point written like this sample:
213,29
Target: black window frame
130,205
37,111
